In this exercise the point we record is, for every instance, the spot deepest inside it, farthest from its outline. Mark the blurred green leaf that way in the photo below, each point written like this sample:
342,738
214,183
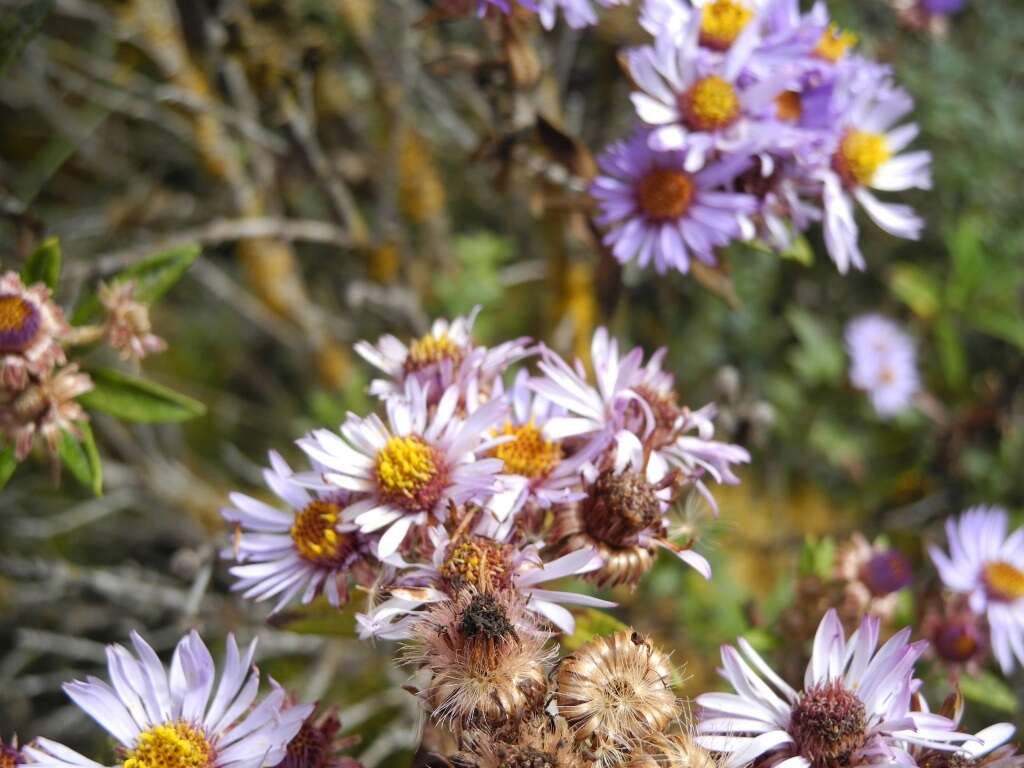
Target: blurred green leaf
818,557
591,623
317,618
799,251
18,26
80,456
135,399
8,463
153,277
820,358
43,266
917,289
951,352
989,690
969,262
1003,323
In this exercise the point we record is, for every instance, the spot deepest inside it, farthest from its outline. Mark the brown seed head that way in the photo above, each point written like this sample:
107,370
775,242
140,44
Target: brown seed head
829,723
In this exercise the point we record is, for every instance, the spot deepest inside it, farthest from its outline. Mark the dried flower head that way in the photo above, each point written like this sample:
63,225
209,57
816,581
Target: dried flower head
616,689
671,750
486,659
128,328
45,409
541,741
317,745
31,328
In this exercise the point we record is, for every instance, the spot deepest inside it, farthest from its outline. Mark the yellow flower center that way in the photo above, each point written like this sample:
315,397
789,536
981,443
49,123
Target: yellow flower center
664,194
529,455
430,350
409,473
477,562
834,43
315,536
174,745
710,104
721,22
14,311
860,155
788,107
1004,581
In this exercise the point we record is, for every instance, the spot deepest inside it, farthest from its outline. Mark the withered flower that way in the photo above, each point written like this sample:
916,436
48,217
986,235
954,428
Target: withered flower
317,745
45,409
616,689
541,741
128,327
486,659
671,750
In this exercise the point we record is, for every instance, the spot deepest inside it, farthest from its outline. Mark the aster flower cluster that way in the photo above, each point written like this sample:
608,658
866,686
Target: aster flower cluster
883,363
754,120
478,477
41,383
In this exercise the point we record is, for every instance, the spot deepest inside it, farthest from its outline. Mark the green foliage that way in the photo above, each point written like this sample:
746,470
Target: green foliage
43,266
989,691
134,399
591,623
18,25
153,277
81,457
8,463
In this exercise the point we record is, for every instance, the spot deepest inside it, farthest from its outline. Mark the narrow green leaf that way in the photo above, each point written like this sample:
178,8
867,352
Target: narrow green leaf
8,463
819,359
917,289
134,399
43,266
591,623
153,277
79,455
799,251
990,691
18,26
951,352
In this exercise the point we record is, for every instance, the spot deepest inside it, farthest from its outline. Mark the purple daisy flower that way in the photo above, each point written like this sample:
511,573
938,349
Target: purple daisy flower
153,712
409,470
868,155
577,13
31,327
304,550
656,210
987,565
854,708
883,363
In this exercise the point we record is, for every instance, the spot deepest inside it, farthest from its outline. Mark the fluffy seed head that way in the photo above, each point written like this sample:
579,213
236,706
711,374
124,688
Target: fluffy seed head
616,689
829,723
486,659
671,750
540,741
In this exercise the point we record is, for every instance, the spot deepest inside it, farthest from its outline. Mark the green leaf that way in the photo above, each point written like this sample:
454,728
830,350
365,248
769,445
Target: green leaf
8,463
43,266
80,456
818,557
990,691
591,623
820,358
18,27
969,262
951,352
799,251
134,399
153,277
317,618
917,289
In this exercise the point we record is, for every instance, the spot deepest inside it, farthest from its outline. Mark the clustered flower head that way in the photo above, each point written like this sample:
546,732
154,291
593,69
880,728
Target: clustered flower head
483,478
883,363
754,120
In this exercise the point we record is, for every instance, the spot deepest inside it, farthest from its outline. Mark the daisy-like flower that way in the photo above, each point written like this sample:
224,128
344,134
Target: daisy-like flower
407,472
883,363
987,566
871,577
989,748
10,754
577,13
854,709
699,104
179,718
656,211
302,551
318,745
45,409
128,327
478,562
869,156
31,327
443,357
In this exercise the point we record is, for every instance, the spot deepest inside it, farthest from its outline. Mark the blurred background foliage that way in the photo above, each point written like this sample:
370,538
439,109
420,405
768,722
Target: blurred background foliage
351,167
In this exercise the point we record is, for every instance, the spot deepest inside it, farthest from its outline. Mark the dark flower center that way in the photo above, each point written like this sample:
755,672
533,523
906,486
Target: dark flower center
829,724
620,506
485,618
664,194
886,572
957,640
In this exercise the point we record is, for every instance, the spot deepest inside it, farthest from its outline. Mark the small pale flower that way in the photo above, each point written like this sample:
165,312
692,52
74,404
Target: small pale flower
180,717
300,552
45,410
408,471
883,363
128,327
31,328
854,708
986,564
